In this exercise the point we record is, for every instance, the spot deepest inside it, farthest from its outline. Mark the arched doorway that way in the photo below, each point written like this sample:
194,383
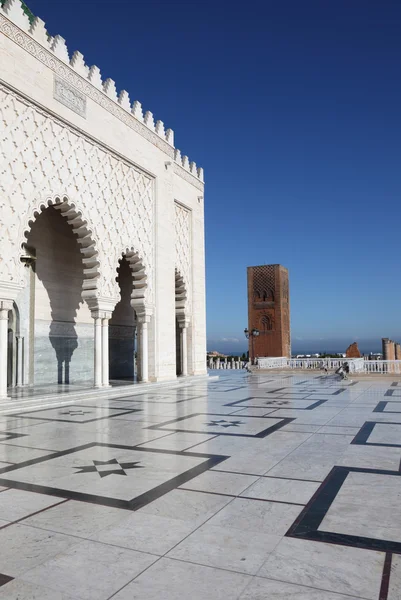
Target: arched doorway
128,335
122,328
62,347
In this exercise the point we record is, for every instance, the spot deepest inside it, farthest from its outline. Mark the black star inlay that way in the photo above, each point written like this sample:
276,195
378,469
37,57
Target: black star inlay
277,402
224,423
116,471
75,412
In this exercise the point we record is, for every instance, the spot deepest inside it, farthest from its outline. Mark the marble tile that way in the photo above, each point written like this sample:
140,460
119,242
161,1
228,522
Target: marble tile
367,505
147,533
257,515
282,490
339,430
28,547
16,504
385,434
252,412
15,454
267,589
178,441
329,567
220,483
175,580
394,590
194,507
23,590
90,570
226,548
371,457
301,428
77,518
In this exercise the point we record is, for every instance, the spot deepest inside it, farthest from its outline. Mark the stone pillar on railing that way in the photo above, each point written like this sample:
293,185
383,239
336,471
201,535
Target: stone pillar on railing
210,363
385,348
218,362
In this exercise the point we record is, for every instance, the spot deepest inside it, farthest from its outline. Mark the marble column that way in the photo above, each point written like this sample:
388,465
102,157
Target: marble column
5,306
144,352
98,350
184,350
20,364
105,350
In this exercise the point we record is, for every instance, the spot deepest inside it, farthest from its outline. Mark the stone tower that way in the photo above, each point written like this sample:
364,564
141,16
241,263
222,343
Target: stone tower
269,311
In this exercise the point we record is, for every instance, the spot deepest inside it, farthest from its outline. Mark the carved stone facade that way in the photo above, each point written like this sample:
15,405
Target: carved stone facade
71,147
269,311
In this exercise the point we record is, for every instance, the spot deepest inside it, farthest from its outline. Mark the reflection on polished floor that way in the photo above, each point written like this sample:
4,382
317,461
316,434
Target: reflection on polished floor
252,487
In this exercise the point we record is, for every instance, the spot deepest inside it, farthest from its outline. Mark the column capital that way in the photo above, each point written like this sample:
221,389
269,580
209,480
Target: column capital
101,314
183,320
143,314
100,304
183,323
5,306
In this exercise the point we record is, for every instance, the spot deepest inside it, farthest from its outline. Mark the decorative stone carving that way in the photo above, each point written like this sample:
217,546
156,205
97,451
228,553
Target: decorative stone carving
183,246
69,96
39,155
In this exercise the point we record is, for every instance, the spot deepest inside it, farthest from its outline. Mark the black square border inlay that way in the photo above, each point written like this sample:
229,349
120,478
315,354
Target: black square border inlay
261,434
211,460
28,414
382,405
361,438
270,403
306,526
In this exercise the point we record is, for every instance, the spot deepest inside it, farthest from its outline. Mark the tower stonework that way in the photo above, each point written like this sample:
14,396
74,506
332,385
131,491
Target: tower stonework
269,311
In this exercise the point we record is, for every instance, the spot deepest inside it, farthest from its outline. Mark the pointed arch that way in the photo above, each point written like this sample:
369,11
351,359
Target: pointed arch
87,246
180,292
139,277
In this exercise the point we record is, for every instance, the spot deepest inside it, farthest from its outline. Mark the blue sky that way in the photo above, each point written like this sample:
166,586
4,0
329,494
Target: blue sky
293,110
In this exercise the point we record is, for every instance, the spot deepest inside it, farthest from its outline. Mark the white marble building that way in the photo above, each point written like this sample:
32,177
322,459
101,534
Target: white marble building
101,224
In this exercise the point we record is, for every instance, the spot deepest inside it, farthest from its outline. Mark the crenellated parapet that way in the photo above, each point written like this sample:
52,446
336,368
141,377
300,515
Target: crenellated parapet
35,27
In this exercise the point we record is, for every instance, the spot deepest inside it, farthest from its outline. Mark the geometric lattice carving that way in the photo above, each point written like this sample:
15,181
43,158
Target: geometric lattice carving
183,249
264,283
41,157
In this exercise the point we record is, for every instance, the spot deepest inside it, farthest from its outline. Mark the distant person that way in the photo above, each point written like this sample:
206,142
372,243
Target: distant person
343,371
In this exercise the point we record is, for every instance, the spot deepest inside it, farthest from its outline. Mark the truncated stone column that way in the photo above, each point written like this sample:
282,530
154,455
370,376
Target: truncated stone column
5,306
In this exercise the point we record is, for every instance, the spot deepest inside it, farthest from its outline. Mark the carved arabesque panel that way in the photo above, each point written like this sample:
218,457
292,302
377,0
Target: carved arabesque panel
183,246
41,156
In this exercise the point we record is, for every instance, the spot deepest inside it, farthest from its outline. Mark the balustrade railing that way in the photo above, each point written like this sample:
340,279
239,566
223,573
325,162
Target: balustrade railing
383,366
356,365
224,363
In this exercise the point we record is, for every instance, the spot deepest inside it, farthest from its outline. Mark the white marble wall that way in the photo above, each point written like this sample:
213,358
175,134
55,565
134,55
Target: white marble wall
68,135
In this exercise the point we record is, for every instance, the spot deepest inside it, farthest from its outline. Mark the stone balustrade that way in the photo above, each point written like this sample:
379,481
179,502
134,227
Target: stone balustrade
225,363
357,365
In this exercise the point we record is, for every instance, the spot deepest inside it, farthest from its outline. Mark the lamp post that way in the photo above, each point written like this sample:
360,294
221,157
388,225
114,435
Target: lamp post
251,335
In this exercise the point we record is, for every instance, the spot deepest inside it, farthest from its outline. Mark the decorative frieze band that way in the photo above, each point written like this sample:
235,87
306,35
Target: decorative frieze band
117,106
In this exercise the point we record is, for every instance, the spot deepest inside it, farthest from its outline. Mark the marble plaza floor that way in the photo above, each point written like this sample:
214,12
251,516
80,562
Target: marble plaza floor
252,487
